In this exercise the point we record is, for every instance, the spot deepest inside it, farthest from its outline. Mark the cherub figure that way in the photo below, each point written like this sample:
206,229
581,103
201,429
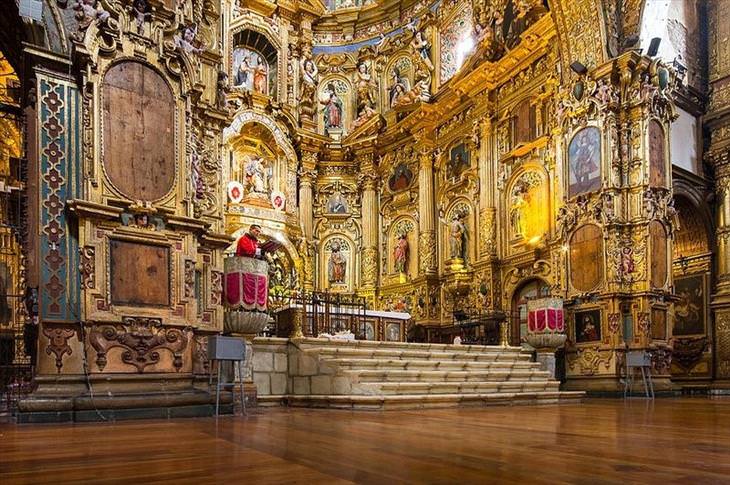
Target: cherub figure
141,14
186,41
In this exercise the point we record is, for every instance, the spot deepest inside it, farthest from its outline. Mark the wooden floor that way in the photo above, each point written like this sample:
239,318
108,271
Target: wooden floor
600,441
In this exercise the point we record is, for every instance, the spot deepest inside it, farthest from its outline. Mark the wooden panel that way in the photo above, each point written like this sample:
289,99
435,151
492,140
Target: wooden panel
658,324
524,122
658,238
657,155
139,131
140,273
586,257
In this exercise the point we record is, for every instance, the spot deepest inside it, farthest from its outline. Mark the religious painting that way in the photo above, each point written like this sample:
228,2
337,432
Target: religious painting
658,238
658,324
588,326
689,311
392,332
337,265
399,80
401,178
251,71
528,207
336,204
584,161
586,257
369,330
657,155
458,161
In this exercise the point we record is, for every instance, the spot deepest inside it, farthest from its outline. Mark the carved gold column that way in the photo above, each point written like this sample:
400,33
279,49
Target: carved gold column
487,202
427,245
307,176
369,184
717,124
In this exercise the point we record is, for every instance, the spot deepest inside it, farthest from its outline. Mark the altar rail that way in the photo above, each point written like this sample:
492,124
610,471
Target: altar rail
326,313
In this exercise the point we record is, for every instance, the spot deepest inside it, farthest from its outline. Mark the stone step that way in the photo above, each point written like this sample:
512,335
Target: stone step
420,401
418,354
370,344
447,376
386,388
426,365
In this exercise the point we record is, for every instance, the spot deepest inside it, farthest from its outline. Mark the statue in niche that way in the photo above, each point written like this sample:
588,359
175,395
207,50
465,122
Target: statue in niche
422,47
518,204
141,14
186,41
399,85
257,181
310,78
332,108
458,236
400,253
337,264
365,86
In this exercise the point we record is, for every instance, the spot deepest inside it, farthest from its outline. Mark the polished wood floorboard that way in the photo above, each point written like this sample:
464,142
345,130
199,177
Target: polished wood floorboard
682,441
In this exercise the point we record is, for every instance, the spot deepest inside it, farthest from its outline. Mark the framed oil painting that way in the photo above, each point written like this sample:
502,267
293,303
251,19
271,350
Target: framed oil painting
392,332
689,311
458,161
584,161
588,326
401,178
337,204
252,72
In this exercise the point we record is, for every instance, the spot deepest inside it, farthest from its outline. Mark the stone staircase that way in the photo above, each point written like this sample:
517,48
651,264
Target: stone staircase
395,375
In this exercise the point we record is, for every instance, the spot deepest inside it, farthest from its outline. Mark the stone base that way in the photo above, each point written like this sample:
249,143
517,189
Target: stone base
547,361
121,396
614,387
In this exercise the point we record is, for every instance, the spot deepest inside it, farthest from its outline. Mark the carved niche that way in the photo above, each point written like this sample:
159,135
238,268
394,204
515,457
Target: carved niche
139,131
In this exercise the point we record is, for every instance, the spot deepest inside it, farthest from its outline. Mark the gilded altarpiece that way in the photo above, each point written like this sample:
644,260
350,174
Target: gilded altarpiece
139,177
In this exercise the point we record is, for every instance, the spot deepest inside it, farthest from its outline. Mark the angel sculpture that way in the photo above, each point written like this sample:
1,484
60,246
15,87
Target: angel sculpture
186,41
310,78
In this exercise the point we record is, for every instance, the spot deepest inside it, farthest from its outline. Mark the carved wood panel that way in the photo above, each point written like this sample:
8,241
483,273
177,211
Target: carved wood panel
658,238
140,273
586,257
139,131
657,155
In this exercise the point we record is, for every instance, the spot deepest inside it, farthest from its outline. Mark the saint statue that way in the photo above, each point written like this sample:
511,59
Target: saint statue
332,108
337,265
421,45
457,236
365,86
310,78
255,174
400,253
519,202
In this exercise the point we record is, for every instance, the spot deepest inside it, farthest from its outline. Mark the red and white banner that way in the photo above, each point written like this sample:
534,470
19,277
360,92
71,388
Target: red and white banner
545,315
246,283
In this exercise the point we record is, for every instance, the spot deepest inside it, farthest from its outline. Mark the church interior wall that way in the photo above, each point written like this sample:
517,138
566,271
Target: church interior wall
443,166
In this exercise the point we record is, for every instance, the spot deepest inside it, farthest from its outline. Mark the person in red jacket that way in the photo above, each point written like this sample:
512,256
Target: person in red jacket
248,244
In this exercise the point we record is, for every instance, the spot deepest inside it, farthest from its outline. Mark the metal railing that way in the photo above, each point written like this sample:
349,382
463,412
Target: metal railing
325,313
